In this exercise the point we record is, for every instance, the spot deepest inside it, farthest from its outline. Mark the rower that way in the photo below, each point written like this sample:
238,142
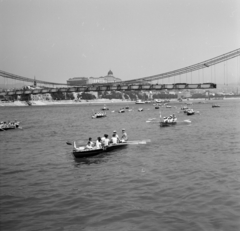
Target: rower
115,132
106,140
90,142
124,135
170,119
98,143
114,139
89,146
174,118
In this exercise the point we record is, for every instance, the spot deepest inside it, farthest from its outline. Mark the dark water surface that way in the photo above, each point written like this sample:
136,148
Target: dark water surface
186,178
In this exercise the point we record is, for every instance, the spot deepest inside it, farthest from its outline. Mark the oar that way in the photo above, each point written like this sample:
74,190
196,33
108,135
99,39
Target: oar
129,142
139,141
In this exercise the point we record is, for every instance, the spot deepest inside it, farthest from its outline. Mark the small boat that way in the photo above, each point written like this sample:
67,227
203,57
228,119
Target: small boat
190,112
122,110
99,115
105,108
140,109
168,106
184,108
4,126
81,152
139,102
167,124
215,105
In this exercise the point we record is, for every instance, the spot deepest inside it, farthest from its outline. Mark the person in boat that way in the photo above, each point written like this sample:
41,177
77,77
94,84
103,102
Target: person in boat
115,132
90,141
105,140
174,118
165,119
170,119
98,143
114,139
124,137
89,146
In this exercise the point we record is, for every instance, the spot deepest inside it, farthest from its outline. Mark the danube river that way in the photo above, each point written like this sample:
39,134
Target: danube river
186,178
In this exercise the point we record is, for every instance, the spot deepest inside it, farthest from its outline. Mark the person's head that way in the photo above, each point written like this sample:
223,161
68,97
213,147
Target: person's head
99,139
90,139
88,142
114,132
123,130
106,135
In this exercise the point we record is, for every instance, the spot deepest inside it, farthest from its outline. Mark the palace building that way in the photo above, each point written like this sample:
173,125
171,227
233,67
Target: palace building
77,81
80,81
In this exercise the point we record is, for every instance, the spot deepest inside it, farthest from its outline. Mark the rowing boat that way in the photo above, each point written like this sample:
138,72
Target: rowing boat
215,105
167,124
80,153
99,115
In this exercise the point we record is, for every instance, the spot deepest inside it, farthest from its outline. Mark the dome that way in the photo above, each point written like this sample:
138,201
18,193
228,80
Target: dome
110,73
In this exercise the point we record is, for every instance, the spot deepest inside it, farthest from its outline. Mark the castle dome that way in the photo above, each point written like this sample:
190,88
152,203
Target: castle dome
110,73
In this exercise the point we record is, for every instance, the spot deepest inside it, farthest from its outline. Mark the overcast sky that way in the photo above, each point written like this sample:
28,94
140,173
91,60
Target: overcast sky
54,40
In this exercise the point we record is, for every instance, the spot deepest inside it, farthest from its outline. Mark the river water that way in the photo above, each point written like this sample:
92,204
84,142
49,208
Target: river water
186,178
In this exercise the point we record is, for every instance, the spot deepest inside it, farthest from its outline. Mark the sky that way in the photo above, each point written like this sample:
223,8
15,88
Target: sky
54,40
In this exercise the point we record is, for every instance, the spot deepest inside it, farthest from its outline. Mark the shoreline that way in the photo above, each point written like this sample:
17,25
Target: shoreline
98,101
62,102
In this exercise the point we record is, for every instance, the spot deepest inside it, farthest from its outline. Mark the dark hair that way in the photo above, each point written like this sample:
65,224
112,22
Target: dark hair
90,138
99,138
106,135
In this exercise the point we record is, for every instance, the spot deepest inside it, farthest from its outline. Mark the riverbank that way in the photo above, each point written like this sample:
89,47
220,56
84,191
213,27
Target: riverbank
96,101
64,102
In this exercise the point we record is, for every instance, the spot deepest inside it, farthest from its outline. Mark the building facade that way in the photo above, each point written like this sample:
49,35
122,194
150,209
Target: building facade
77,81
80,81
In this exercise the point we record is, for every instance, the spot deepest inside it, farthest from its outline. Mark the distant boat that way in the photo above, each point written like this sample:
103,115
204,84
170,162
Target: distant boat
167,124
190,112
121,110
140,109
215,105
139,102
99,115
105,108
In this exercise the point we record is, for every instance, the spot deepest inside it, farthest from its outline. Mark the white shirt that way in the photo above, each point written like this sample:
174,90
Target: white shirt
106,142
98,144
114,140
